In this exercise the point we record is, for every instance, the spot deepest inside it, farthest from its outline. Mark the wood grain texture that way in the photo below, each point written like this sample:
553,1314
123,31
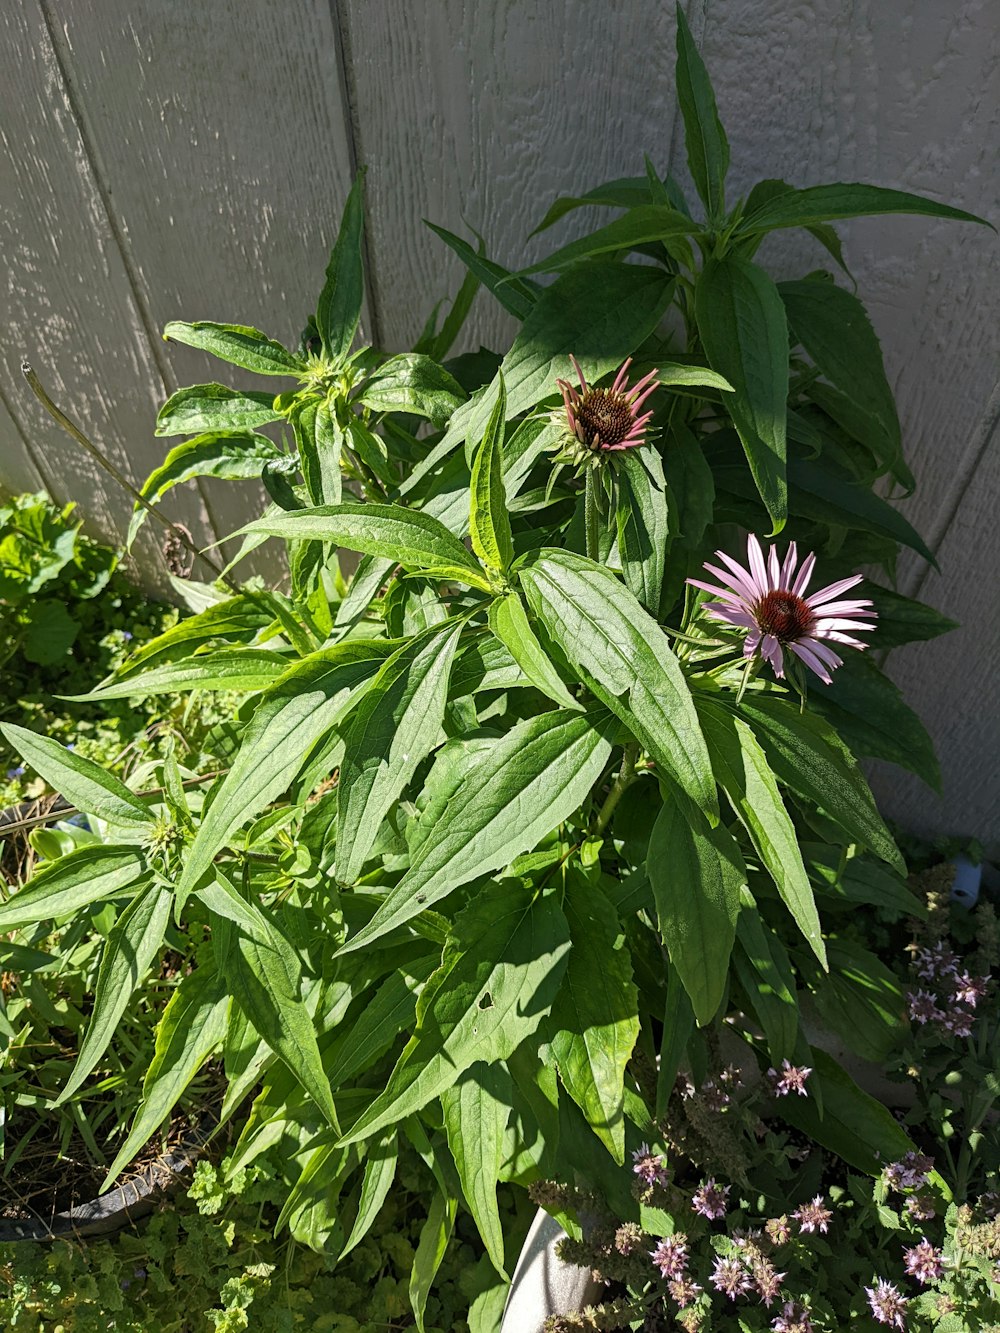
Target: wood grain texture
478,113
69,305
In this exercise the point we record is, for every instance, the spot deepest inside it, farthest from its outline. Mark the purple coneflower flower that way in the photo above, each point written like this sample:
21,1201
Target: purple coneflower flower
910,1172
683,1290
794,1318
671,1255
813,1216
730,1277
887,1304
768,599
606,420
709,1199
924,1262
649,1166
791,1079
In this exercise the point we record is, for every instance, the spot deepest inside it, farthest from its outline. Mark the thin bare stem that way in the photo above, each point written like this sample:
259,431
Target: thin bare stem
77,434
65,811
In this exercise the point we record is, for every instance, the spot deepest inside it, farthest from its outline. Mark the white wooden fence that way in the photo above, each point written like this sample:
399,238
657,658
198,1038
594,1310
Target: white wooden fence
165,159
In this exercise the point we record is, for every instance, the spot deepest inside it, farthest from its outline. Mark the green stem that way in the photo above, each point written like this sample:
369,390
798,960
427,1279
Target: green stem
626,776
592,516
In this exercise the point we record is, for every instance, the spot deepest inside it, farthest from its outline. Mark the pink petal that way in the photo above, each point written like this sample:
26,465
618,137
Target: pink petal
743,576
788,568
755,556
752,640
832,589
845,638
770,650
804,575
716,592
621,377
774,568
732,615
824,653
738,578
576,367
844,609
811,661
825,623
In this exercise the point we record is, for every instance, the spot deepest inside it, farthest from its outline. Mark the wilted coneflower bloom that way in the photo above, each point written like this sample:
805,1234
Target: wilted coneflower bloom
768,599
924,1262
600,421
709,1199
792,1078
887,1304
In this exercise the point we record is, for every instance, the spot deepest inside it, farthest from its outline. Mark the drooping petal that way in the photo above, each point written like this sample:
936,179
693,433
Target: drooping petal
844,609
825,654
770,650
803,651
727,593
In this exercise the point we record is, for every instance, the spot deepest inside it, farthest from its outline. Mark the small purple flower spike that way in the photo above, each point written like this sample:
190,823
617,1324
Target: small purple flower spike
792,1078
924,1262
709,1199
887,1304
768,600
671,1255
813,1216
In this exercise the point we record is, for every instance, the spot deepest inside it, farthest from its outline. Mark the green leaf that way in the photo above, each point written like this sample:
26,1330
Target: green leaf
86,875
625,659
489,520
595,1018
697,873
902,620
512,794
861,881
704,137
233,455
389,1013
807,755
824,203
628,192
49,631
380,1172
292,717
262,972
745,776
238,344
501,969
741,320
390,732
861,1000
84,784
225,669
510,624
599,312
834,328
476,1110
320,443
639,226
408,537
853,1125
765,972
192,1026
132,944
236,619
643,524
692,486
869,713
513,293
697,377
338,311
214,407
413,383
434,1237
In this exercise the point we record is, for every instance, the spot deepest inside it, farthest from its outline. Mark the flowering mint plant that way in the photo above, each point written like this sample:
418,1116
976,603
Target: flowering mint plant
503,758
732,1220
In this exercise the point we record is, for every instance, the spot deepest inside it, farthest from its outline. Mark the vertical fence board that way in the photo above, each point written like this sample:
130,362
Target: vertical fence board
219,132
479,115
69,303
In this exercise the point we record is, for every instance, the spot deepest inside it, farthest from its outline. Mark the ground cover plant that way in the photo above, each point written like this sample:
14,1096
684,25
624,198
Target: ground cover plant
541,735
